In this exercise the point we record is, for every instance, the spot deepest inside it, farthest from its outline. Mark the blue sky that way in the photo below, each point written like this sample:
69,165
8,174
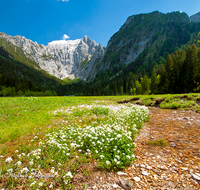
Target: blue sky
47,20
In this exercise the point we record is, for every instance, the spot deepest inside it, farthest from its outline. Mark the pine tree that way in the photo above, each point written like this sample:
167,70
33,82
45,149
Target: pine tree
138,88
169,66
121,90
198,67
153,81
189,70
13,91
145,85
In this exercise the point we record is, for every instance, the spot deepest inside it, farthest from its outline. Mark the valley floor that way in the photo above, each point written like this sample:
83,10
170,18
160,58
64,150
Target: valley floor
175,166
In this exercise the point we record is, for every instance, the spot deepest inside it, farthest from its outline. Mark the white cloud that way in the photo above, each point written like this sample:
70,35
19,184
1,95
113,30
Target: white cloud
65,37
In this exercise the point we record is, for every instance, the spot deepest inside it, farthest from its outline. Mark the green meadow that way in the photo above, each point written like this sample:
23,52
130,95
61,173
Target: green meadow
57,135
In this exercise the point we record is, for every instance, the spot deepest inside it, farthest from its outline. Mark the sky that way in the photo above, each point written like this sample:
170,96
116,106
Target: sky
44,21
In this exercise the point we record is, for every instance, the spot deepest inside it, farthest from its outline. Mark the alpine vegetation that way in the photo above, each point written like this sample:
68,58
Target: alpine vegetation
108,140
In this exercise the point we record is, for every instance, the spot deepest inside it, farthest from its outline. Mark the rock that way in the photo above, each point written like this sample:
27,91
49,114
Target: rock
180,162
115,186
171,185
142,165
125,184
167,150
151,154
130,174
196,177
173,144
156,171
154,184
149,167
136,178
145,173
163,168
121,173
184,169
195,18
180,154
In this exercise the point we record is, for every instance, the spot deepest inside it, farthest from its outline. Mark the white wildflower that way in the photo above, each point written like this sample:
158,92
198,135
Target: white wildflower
69,174
51,186
18,163
40,184
33,183
101,156
9,159
107,162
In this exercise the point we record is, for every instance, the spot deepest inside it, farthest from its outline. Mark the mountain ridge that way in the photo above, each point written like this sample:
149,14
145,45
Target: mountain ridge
143,42
60,58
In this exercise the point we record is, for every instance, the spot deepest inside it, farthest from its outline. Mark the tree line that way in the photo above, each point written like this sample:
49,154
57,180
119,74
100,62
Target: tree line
180,74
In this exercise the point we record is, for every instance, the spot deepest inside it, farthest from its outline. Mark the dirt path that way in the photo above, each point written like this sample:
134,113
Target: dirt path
175,166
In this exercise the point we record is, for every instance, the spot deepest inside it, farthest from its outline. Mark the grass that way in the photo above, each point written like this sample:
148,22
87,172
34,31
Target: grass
27,115
171,101
56,136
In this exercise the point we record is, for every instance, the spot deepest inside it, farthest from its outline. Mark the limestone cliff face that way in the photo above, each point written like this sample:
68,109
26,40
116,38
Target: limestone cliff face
195,18
62,58
131,39
136,34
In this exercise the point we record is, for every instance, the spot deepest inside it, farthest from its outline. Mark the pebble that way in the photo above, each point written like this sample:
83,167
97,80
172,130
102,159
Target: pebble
142,165
125,184
136,178
122,173
184,169
180,162
149,167
145,173
163,168
115,186
180,154
196,177
173,144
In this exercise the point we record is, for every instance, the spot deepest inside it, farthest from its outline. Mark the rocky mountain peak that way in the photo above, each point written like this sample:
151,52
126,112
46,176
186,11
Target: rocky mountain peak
86,39
195,17
61,58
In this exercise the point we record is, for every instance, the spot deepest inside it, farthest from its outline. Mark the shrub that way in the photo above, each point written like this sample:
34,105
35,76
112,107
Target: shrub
100,110
160,142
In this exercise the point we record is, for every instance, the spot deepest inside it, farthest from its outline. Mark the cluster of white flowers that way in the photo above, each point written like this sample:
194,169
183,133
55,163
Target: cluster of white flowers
98,139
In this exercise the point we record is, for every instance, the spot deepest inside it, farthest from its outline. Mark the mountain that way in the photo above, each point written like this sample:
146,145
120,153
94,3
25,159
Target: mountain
18,74
63,59
145,40
140,32
142,44
195,18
